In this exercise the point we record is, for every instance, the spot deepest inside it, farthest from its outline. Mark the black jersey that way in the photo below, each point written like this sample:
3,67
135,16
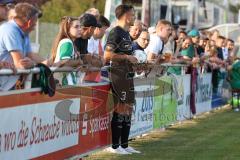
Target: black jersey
119,41
81,45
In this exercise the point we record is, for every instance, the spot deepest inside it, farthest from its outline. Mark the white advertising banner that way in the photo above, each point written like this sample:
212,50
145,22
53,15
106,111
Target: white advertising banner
33,130
203,93
142,117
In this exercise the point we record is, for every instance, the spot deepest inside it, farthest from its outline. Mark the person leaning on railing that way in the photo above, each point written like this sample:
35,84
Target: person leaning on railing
88,24
186,56
157,40
63,50
15,43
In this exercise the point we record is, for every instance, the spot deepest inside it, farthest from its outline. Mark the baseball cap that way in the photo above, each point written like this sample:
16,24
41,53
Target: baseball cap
193,33
4,2
89,20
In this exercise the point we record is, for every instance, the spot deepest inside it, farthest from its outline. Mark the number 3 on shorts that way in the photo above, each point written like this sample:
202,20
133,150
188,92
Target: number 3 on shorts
123,98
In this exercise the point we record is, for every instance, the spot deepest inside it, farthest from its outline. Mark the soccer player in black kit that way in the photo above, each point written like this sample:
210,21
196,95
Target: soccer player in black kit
119,45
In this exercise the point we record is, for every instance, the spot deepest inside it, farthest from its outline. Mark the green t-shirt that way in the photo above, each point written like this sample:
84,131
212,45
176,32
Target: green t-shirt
235,75
189,52
174,70
65,51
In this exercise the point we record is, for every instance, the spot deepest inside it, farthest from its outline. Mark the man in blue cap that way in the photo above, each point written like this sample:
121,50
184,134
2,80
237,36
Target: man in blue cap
5,5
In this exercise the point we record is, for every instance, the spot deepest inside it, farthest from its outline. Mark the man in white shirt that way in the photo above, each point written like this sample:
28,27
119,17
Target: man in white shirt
94,43
135,30
157,40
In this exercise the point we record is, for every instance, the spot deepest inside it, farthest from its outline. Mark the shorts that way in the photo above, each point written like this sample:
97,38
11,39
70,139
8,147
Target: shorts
121,76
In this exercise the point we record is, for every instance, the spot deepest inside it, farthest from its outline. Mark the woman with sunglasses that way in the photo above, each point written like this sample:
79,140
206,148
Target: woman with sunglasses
63,50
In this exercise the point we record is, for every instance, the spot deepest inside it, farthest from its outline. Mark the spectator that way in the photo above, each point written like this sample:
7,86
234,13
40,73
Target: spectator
215,62
230,46
212,42
181,37
215,34
225,49
5,5
94,11
94,43
157,40
220,44
88,24
14,40
195,35
63,50
171,43
142,41
135,30
95,47
235,74
187,53
202,44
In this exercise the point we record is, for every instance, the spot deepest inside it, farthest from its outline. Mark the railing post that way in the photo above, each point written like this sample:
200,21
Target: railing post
183,70
28,81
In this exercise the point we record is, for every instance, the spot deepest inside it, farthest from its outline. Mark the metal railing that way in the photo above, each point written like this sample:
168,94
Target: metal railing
83,68
30,72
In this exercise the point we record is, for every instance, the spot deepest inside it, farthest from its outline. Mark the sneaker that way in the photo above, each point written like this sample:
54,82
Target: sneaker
131,150
118,150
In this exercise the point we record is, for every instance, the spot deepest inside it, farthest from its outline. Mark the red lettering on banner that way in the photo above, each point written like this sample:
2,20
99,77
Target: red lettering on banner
9,141
23,135
42,133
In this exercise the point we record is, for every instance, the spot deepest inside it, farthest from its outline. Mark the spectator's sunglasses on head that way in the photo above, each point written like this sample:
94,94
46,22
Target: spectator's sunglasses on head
8,5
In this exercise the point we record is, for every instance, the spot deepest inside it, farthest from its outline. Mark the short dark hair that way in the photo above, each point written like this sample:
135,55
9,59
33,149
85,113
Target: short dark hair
104,21
26,11
183,32
221,37
230,40
122,9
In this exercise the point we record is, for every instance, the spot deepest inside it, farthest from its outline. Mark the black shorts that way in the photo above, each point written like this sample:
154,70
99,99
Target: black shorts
121,76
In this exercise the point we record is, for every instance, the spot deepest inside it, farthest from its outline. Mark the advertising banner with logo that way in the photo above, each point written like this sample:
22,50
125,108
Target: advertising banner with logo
142,117
204,93
73,122
165,103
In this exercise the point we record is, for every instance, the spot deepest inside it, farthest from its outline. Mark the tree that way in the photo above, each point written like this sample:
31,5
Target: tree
53,10
234,8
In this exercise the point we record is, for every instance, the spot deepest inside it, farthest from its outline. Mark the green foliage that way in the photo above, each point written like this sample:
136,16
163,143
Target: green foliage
55,9
234,8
